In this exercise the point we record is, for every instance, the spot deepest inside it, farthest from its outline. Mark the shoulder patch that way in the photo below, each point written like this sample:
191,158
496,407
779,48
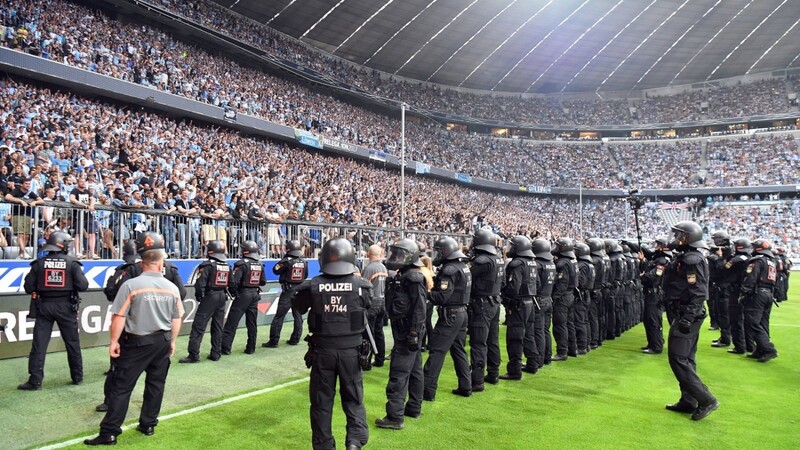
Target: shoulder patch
659,270
444,285
750,267
691,278
728,265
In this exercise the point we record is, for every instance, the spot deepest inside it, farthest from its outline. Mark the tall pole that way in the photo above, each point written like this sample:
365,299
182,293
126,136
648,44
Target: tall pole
580,205
402,170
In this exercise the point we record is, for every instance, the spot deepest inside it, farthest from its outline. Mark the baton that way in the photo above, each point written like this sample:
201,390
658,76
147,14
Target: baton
536,302
369,334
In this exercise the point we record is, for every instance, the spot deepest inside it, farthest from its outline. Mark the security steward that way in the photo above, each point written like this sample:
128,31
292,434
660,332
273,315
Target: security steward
563,295
210,292
54,282
487,269
597,317
652,278
518,292
405,306
146,320
586,276
543,317
450,294
337,302
376,273
685,292
758,290
735,268
132,268
247,278
291,270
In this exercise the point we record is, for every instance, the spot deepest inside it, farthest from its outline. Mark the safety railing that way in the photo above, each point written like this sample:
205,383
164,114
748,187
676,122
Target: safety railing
101,232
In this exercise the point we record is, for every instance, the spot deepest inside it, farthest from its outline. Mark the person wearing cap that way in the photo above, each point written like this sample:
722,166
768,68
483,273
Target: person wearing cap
291,270
337,302
244,287
147,314
53,282
685,292
213,276
22,215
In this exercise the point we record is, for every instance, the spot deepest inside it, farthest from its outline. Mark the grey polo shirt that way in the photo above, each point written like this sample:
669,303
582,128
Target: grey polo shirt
149,303
376,273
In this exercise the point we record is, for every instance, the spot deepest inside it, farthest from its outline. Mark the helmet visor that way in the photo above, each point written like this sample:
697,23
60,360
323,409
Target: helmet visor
398,257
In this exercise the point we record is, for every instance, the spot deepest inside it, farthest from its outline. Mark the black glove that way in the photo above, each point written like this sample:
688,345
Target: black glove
365,355
740,300
309,356
684,326
413,341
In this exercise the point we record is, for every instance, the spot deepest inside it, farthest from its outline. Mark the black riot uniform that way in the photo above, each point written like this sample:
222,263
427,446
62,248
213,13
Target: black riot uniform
564,297
783,264
518,292
758,290
337,303
213,276
735,268
244,287
717,298
488,269
614,303
405,306
291,270
596,316
543,317
685,292
586,275
450,294
53,282
652,278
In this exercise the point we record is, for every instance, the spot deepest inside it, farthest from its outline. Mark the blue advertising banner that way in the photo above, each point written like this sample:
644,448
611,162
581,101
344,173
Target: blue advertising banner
463,177
307,138
375,154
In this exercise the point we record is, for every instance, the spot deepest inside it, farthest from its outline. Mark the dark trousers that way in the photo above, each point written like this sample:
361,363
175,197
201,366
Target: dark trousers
580,314
520,337
49,313
723,321
619,311
682,349
600,299
593,319
151,357
653,320
713,305
284,305
627,310
425,341
450,333
375,317
756,316
611,312
736,318
562,307
482,312
329,365
405,379
493,358
245,304
541,330
211,308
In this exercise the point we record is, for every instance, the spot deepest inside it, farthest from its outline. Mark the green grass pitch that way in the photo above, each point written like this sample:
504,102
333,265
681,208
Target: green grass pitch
613,398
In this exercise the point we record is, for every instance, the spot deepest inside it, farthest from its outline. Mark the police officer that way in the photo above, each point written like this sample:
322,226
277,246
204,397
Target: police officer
652,278
735,268
488,269
53,282
337,302
518,292
563,296
405,306
718,301
210,292
543,316
614,304
783,264
586,275
132,268
450,295
248,277
627,283
685,292
376,273
758,289
146,321
291,270
597,316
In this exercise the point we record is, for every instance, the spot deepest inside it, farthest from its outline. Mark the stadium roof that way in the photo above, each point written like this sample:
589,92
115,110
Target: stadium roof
546,46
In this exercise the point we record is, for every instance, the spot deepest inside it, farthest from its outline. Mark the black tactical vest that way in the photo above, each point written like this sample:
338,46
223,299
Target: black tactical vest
768,276
491,281
546,276
588,282
528,288
55,273
398,302
462,279
219,273
599,272
252,272
291,270
336,306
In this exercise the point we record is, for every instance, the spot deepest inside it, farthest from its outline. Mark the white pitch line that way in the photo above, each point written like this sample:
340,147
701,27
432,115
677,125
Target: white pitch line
793,325
185,411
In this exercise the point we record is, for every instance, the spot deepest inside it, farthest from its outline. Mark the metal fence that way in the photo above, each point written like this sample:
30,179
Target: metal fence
99,234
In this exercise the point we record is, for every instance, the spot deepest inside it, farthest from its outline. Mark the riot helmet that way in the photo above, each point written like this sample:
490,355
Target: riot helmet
688,234
564,247
763,247
58,241
294,248
402,253
250,250
721,238
596,246
338,257
582,251
446,249
743,246
485,240
216,250
520,246
129,251
541,248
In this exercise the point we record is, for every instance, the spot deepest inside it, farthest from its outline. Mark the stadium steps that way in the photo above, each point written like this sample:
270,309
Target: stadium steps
673,216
